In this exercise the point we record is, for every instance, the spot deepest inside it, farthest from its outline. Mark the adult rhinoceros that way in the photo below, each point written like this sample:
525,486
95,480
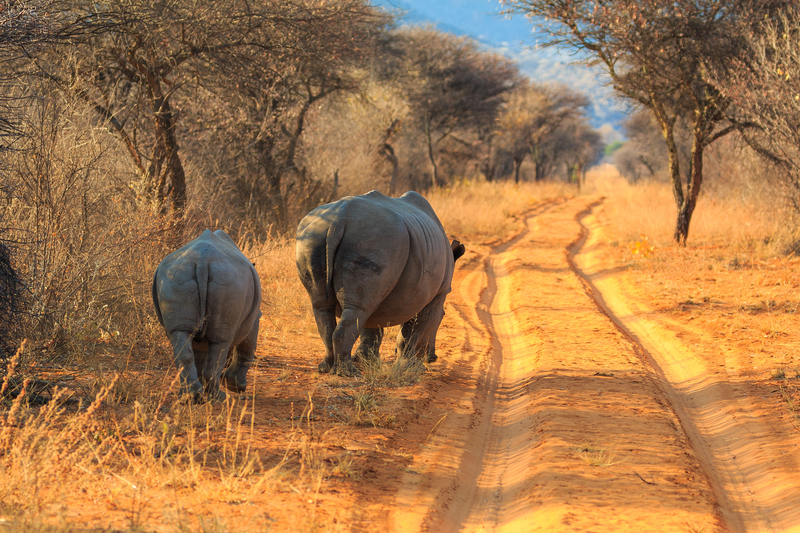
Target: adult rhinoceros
208,298
375,262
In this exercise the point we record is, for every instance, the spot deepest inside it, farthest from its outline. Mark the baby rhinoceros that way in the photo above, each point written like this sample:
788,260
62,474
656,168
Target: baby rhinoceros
207,296
375,261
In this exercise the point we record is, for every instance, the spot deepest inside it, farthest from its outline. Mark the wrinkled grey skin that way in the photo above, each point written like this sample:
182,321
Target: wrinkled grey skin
207,296
375,262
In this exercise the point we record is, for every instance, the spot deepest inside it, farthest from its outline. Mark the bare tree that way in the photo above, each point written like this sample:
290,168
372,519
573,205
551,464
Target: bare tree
577,146
249,128
534,112
660,54
151,54
451,85
765,88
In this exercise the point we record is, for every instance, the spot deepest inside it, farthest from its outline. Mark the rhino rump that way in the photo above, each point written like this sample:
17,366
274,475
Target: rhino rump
207,291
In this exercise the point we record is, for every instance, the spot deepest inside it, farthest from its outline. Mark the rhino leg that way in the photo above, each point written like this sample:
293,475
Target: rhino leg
236,374
407,339
410,343
344,337
417,337
369,347
185,362
326,324
200,357
212,371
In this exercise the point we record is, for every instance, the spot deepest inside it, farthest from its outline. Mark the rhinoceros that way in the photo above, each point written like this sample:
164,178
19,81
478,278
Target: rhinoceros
375,261
207,296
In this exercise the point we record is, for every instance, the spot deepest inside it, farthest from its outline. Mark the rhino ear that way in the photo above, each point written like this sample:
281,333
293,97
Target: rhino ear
458,249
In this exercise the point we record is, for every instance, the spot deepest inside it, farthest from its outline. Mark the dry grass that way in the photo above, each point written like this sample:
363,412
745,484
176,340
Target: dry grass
285,305
57,454
752,222
593,455
483,210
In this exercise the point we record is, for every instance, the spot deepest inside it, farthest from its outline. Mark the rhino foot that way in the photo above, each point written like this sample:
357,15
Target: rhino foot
214,396
191,393
432,357
347,370
233,381
324,367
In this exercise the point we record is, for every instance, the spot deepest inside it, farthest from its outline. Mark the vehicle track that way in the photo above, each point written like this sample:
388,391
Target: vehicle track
551,419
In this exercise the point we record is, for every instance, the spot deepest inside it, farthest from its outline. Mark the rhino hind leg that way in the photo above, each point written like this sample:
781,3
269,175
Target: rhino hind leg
369,347
344,337
326,325
412,344
239,362
212,371
185,362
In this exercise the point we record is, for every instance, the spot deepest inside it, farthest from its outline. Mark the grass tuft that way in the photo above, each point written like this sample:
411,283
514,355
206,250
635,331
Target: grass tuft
594,456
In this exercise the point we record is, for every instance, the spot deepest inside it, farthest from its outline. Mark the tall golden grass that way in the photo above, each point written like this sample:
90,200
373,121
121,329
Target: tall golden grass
485,210
757,221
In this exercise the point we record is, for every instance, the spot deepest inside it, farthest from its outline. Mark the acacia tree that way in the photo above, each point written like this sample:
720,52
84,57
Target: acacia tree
532,115
577,145
765,89
267,108
451,85
153,53
661,54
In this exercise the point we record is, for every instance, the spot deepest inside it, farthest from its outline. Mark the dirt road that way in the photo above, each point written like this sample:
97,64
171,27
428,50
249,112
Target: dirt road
568,405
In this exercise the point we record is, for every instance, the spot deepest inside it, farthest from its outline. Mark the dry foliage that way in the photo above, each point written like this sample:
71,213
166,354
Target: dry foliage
747,217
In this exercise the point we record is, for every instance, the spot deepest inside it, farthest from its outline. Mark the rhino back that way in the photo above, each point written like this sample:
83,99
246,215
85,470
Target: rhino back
390,258
428,269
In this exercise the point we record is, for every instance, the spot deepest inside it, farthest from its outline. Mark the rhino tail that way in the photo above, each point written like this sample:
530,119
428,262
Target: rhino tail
332,240
154,291
201,274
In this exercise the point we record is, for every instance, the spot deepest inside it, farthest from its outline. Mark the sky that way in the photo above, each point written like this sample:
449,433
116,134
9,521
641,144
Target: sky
514,38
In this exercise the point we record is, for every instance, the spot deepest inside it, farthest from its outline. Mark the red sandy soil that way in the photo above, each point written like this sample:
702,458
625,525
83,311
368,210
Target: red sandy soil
577,389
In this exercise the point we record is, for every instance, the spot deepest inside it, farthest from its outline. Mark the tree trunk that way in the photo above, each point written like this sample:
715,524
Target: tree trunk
580,174
166,169
487,164
434,175
686,208
387,151
538,170
517,165
434,168
335,192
